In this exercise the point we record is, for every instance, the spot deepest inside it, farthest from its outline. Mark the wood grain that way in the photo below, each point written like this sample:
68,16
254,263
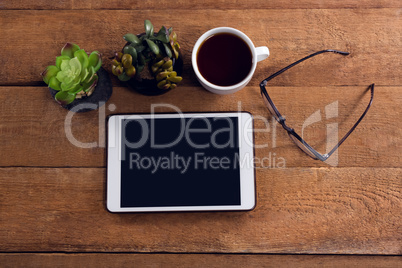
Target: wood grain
34,133
194,4
52,193
195,260
39,36
299,210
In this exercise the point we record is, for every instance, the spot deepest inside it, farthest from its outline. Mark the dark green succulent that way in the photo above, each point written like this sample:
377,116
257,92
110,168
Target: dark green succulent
123,66
74,74
174,45
146,49
164,74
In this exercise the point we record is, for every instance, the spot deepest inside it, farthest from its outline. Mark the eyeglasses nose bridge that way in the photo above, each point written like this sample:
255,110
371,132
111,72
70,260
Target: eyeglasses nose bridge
281,121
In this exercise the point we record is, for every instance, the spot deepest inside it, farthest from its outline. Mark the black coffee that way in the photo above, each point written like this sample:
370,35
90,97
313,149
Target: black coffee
224,59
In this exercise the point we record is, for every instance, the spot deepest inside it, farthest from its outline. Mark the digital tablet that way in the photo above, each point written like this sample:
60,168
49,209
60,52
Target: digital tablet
180,162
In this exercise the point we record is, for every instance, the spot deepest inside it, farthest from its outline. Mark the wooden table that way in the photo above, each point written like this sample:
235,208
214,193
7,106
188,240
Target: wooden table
309,213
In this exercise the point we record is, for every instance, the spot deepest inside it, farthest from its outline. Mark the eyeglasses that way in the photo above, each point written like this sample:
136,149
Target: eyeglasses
304,146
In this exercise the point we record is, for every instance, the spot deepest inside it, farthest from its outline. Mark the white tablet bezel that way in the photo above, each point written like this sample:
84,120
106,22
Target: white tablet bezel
246,159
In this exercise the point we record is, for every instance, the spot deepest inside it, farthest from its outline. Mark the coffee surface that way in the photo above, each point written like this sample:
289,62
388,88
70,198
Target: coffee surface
224,59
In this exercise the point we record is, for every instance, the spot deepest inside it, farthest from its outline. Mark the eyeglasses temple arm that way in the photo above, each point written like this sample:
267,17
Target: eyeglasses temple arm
371,87
263,83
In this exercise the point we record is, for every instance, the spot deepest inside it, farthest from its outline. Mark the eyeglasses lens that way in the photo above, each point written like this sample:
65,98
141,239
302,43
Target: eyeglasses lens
266,102
302,146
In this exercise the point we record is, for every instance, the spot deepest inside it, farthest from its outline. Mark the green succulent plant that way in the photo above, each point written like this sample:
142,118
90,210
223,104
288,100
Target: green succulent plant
123,66
74,74
175,45
147,49
164,74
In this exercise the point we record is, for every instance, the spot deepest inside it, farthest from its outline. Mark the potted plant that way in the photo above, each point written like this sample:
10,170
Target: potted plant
78,78
149,62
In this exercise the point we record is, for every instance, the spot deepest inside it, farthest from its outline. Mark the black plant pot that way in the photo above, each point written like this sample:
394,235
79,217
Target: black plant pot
149,87
99,96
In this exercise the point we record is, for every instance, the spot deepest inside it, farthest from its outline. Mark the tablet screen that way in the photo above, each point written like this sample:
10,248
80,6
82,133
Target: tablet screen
167,162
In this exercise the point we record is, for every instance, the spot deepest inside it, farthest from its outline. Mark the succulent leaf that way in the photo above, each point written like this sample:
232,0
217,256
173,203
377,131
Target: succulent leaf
132,38
118,55
163,35
154,48
175,79
161,75
115,62
87,86
163,30
69,49
91,74
127,61
75,89
84,74
54,83
140,48
67,86
149,28
117,70
161,84
167,50
125,51
131,51
64,64
123,77
175,47
59,59
64,98
174,36
156,65
75,66
159,63
167,64
49,72
130,71
167,85
82,58
153,38
141,59
176,54
95,60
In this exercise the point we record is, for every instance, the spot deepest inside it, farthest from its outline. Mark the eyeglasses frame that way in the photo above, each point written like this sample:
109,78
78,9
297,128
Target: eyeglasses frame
281,120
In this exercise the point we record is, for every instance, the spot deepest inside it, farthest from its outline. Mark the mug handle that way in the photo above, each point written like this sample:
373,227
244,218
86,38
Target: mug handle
262,53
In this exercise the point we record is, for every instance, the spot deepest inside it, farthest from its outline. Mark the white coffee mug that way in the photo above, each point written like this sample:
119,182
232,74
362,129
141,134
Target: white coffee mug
258,54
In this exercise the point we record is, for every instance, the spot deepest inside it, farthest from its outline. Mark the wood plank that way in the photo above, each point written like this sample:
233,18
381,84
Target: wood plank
299,210
33,130
371,35
195,260
195,5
